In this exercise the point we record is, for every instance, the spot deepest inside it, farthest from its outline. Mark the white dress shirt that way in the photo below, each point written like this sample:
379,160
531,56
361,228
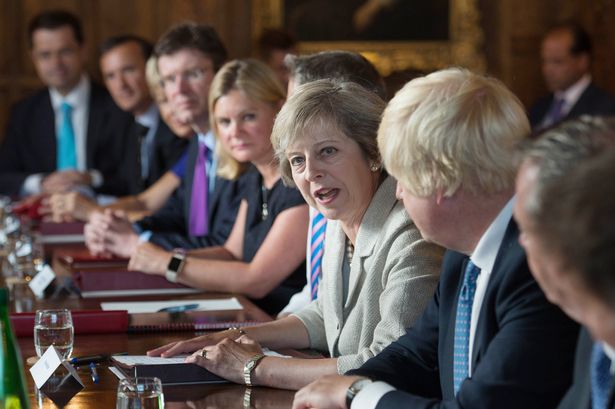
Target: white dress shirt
149,119
484,256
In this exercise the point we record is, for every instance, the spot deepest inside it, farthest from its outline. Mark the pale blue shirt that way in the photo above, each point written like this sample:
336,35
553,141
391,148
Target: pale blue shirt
78,98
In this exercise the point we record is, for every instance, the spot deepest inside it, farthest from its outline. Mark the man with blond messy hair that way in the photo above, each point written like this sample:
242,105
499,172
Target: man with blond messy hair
489,338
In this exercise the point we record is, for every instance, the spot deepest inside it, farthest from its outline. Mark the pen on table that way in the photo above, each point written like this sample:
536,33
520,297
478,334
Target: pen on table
179,308
94,372
85,360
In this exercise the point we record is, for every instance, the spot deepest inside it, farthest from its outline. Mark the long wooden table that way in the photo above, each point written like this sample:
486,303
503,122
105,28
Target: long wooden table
103,394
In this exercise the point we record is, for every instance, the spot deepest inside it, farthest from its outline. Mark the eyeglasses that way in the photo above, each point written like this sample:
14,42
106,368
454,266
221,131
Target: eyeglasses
191,75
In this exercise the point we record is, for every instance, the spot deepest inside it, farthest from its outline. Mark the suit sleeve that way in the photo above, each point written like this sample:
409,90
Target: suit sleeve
527,364
12,172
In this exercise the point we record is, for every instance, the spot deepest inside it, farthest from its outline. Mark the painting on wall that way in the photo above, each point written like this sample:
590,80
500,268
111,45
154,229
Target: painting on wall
394,34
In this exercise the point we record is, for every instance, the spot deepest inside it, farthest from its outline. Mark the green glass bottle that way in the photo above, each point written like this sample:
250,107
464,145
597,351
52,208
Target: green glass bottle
13,393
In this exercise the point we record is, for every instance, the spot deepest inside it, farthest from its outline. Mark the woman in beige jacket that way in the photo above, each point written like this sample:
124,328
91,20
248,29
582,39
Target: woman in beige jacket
378,272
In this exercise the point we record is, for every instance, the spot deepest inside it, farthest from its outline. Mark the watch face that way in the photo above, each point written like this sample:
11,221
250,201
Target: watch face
174,263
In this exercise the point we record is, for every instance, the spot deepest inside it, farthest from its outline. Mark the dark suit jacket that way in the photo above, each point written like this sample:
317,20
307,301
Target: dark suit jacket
167,149
29,144
523,346
579,394
170,225
593,101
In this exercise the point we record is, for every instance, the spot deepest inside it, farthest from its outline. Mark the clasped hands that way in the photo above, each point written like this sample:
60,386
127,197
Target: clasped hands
111,233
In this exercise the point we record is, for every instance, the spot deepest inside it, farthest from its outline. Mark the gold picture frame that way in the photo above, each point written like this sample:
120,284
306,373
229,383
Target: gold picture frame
463,47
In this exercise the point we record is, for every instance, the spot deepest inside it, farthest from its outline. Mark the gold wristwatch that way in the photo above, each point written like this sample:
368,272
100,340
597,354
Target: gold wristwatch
249,367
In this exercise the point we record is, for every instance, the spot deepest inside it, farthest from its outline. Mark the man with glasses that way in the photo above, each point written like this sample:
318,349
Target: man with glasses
202,211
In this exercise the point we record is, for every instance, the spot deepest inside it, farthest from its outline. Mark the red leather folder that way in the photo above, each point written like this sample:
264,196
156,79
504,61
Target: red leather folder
48,228
81,258
97,276
118,281
84,321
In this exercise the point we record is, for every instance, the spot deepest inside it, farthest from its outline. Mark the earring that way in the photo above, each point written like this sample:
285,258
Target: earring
374,167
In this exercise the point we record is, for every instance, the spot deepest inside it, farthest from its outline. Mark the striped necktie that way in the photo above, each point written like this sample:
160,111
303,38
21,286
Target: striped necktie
317,243
462,325
66,157
600,376
198,198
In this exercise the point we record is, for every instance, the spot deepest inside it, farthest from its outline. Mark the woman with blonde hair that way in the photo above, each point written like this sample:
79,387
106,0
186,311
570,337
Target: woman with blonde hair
265,252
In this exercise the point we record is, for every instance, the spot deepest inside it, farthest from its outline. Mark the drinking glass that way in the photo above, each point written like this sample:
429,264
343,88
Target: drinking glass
139,393
54,327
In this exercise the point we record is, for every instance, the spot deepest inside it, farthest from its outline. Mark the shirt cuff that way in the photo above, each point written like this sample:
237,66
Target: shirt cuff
145,235
97,178
32,184
369,396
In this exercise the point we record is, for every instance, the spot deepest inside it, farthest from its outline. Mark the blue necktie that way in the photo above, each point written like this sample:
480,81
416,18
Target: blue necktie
66,157
462,326
600,377
317,244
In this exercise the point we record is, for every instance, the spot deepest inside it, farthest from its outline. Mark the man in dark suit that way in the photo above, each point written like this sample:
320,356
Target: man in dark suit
152,148
70,134
566,62
188,57
564,208
489,338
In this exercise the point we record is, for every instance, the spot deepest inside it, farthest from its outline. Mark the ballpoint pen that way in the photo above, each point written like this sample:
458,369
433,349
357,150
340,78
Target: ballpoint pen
180,308
94,372
86,360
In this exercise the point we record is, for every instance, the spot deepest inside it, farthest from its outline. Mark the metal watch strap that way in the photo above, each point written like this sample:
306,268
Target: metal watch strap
249,367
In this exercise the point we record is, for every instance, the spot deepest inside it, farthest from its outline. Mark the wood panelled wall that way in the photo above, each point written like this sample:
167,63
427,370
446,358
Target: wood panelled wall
103,18
512,28
513,31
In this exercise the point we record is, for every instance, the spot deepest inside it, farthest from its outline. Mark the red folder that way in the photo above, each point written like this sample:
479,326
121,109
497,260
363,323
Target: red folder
109,282
97,276
81,258
48,228
84,321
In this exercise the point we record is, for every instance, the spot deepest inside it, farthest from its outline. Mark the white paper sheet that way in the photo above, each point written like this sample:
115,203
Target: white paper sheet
131,360
154,306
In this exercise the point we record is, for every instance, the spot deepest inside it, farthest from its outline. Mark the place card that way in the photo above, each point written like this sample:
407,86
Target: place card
41,281
48,364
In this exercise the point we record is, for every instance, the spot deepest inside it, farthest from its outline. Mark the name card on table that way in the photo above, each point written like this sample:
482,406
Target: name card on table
41,281
47,365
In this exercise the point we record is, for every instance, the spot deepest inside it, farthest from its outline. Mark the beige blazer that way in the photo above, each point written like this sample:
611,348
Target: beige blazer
394,273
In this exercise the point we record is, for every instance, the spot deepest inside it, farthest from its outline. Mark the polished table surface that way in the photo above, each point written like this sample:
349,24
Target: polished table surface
103,394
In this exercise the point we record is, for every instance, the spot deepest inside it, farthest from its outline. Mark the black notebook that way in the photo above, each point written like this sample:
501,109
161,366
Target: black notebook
170,371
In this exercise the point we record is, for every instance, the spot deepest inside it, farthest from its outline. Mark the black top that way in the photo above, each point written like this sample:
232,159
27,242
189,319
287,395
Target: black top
277,199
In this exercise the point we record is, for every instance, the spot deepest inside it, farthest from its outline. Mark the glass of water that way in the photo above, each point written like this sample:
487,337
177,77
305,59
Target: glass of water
54,327
139,393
